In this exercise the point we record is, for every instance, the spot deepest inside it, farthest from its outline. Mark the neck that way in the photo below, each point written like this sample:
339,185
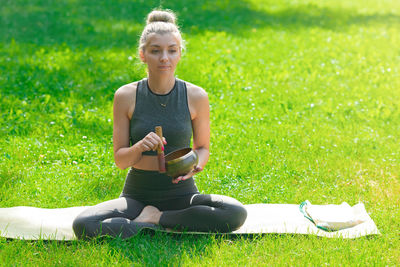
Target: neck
161,85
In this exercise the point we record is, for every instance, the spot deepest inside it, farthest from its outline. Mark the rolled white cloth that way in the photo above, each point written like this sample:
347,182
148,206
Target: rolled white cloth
334,217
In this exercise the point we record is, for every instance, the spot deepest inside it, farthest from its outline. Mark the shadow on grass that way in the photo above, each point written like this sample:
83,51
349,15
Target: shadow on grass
104,24
93,27
36,90
89,28
26,80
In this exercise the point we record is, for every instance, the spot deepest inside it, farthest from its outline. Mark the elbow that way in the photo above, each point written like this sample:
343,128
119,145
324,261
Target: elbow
119,166
119,163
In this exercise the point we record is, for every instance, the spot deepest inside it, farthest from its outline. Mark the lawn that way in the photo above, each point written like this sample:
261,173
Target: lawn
304,102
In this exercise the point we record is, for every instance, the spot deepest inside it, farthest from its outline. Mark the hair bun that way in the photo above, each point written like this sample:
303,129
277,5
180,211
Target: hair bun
162,16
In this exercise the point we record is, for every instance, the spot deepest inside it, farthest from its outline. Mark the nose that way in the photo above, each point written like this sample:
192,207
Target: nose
164,56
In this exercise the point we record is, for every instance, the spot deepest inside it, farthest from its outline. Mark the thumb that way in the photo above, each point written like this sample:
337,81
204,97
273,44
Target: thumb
198,168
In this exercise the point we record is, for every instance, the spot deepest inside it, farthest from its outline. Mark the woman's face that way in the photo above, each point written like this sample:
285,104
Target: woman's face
161,53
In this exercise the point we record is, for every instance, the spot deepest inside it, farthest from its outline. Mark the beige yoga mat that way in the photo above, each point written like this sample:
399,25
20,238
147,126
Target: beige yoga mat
32,223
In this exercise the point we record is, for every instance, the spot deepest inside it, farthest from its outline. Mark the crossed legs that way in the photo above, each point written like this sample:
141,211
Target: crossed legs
125,216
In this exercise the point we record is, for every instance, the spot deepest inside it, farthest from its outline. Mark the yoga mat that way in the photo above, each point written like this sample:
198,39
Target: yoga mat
32,223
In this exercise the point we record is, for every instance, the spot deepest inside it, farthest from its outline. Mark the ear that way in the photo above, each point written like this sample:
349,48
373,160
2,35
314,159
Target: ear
141,55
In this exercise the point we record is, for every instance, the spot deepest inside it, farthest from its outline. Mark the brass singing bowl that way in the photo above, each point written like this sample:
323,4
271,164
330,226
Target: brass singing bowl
180,162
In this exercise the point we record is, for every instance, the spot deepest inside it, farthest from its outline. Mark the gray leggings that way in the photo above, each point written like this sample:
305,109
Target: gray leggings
193,212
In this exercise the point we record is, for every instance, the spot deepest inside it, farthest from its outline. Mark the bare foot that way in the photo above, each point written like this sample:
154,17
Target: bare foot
149,214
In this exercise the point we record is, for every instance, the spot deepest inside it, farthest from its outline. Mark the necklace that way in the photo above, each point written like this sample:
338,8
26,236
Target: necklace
163,104
158,97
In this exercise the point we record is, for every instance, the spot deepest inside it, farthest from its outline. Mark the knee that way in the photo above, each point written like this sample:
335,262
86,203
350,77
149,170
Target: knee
237,216
81,226
78,225
233,214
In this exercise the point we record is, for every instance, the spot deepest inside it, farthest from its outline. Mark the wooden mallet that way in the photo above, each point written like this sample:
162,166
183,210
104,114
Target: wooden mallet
160,153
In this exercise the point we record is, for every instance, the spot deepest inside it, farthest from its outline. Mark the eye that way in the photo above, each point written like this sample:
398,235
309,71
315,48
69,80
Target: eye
172,51
155,51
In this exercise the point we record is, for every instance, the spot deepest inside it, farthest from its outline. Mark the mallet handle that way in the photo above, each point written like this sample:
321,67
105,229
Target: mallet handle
160,153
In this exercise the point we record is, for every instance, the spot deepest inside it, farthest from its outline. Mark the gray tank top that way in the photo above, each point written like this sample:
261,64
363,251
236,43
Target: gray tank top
171,111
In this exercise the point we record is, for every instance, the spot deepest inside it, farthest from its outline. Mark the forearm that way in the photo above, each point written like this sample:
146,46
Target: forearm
128,156
203,154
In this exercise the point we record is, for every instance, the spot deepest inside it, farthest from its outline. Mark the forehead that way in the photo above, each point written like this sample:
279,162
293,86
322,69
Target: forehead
166,39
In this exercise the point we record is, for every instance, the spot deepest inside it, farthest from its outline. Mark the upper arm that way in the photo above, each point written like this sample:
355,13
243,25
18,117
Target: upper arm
200,112
124,98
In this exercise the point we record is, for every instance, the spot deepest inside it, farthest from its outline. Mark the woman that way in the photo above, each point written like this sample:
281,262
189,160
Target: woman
149,198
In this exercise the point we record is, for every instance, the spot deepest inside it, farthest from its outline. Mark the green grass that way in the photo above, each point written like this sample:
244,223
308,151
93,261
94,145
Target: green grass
304,105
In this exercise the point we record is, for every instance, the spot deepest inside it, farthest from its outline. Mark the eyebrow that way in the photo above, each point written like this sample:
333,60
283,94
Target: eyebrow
160,46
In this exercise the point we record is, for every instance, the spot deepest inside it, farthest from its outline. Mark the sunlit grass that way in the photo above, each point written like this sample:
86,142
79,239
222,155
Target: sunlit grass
304,105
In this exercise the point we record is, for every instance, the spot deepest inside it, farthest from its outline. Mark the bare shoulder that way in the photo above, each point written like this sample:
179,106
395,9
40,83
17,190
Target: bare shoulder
197,100
125,99
195,92
126,91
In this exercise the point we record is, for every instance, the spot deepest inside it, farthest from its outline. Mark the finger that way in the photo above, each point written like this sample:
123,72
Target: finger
156,137
164,141
192,172
176,180
161,142
158,141
153,141
146,148
146,145
187,176
197,169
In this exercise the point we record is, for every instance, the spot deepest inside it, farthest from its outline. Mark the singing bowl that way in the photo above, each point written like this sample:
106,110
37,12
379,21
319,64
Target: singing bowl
180,162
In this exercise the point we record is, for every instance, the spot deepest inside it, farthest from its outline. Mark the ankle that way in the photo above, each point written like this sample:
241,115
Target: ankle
156,217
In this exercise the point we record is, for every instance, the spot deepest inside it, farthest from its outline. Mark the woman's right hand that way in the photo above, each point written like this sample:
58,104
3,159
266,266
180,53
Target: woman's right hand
151,141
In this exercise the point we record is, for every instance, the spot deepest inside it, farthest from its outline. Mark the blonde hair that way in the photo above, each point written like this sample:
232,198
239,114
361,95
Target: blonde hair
160,22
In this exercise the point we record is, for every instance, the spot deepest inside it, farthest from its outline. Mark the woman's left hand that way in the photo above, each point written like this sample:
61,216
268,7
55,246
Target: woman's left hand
195,170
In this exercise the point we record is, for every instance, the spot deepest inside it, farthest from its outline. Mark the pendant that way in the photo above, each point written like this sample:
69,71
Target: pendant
163,105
